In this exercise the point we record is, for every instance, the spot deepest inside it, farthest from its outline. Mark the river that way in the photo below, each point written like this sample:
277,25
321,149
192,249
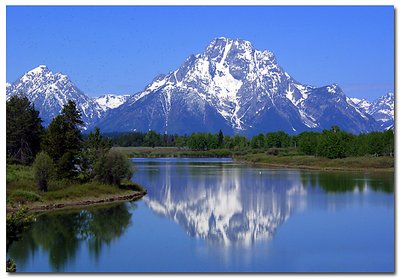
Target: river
216,215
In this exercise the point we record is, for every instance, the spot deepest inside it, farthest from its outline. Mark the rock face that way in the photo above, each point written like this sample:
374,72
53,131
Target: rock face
49,91
237,88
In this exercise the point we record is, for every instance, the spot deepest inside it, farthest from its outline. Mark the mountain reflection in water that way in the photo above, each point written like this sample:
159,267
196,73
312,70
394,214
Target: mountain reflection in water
228,209
228,204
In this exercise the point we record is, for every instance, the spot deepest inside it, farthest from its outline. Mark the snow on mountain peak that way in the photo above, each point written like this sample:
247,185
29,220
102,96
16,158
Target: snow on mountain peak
50,91
381,109
110,101
39,70
244,87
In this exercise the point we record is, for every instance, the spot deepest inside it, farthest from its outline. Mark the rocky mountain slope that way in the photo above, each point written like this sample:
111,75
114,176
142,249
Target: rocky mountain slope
49,91
237,88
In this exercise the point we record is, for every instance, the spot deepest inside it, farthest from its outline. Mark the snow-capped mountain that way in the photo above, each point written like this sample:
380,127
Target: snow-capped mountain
49,91
381,109
110,101
237,88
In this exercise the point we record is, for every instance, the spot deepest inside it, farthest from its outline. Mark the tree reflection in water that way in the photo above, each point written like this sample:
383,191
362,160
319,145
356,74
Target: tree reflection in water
61,234
340,182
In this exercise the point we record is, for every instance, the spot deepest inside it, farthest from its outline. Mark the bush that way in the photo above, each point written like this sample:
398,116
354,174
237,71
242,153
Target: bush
22,197
273,151
43,167
113,167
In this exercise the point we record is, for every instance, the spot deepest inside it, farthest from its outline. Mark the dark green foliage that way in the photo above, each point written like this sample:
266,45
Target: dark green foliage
127,139
308,142
16,223
112,168
277,139
63,141
181,141
44,170
333,143
273,151
152,139
220,139
258,141
202,141
95,148
23,128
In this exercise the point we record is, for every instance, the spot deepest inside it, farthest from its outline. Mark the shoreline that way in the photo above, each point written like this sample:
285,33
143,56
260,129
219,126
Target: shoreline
89,201
293,161
313,168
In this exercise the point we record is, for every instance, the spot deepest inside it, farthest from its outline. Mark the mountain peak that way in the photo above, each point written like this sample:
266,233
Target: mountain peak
39,70
223,42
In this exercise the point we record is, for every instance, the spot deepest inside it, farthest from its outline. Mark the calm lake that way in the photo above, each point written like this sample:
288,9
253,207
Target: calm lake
216,215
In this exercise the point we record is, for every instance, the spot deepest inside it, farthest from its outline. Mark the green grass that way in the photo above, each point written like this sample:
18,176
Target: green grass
149,152
21,188
284,157
23,197
365,162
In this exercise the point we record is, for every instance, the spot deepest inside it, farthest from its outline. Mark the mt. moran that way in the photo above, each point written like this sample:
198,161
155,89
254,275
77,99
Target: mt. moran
230,86
239,89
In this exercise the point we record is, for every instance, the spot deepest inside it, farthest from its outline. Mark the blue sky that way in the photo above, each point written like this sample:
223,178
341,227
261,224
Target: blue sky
121,49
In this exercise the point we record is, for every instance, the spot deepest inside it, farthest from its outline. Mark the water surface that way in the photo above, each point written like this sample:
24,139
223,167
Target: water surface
217,215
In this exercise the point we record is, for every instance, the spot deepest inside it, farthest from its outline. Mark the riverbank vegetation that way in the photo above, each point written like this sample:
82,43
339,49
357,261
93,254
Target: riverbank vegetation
57,165
329,149
331,144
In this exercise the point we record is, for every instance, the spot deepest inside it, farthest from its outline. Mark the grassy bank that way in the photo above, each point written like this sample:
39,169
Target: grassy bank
287,158
22,190
312,162
173,152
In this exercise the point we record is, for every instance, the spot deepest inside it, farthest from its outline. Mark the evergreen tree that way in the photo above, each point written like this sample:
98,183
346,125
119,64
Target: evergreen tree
220,139
95,147
23,130
63,141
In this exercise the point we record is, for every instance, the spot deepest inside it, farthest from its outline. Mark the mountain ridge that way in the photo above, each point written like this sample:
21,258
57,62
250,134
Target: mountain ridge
240,89
230,86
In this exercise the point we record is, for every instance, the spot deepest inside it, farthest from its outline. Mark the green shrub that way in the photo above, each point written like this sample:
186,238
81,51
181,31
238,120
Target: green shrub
113,167
18,172
273,151
43,167
22,197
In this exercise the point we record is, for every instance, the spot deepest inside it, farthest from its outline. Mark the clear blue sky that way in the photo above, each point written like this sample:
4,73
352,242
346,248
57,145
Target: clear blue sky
121,49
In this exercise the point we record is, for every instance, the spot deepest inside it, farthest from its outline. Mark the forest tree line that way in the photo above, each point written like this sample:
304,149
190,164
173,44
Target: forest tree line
332,143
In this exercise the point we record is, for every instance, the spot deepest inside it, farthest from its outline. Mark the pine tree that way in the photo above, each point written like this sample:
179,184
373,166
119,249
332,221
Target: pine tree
95,148
220,139
63,141
24,130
